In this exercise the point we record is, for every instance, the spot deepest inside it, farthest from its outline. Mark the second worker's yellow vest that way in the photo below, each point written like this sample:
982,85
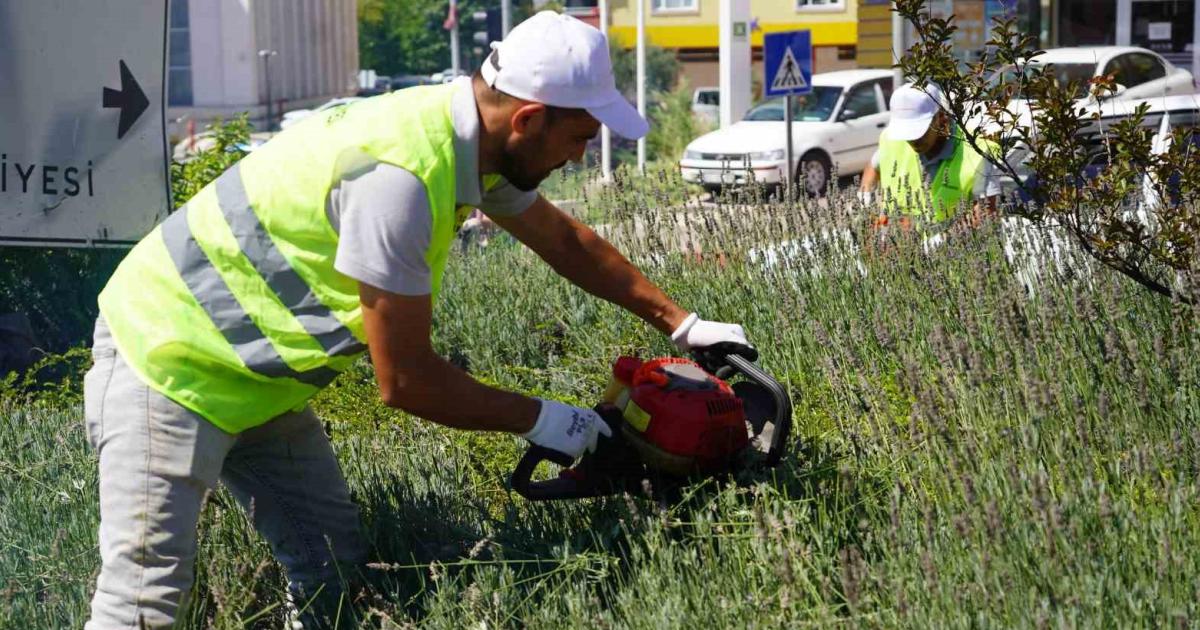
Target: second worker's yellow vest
903,185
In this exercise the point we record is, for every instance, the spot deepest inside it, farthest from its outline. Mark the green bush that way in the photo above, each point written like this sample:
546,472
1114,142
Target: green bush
672,125
189,176
662,69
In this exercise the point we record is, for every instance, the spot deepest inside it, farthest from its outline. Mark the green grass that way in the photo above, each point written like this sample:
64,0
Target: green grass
969,452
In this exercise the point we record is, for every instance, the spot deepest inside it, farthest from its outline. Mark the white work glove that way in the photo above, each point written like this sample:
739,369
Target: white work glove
699,333
866,197
567,429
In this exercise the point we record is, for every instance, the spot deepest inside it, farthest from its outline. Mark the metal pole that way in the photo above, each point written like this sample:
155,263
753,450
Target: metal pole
733,40
898,47
1196,46
455,63
267,71
605,133
1124,22
266,57
641,80
505,17
787,122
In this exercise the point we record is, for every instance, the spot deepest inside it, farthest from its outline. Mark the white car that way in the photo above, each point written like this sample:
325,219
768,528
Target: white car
187,149
838,123
706,104
1138,73
296,115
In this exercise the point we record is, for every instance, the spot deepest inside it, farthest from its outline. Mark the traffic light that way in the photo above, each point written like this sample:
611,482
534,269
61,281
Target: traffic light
487,27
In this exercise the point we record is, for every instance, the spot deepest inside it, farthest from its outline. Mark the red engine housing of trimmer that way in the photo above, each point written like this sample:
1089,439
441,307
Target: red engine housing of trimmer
680,418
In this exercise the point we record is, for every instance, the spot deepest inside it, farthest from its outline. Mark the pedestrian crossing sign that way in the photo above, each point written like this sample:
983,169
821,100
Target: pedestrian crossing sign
787,60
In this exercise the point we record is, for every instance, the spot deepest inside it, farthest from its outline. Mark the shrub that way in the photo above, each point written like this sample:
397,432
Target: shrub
1105,210
672,125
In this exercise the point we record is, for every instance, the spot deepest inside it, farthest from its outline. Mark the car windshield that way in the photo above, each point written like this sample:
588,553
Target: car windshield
816,106
1063,74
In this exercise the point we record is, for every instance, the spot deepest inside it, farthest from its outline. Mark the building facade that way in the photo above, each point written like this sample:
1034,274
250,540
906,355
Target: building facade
690,28
1169,27
222,53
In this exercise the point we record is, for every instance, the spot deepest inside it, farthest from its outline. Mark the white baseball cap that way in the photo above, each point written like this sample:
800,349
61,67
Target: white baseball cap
912,110
558,60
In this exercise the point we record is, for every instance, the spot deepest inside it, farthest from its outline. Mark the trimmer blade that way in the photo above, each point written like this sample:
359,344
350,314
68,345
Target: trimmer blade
760,409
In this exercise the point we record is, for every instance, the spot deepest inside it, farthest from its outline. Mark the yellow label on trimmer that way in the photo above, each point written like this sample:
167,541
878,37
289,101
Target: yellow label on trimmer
636,417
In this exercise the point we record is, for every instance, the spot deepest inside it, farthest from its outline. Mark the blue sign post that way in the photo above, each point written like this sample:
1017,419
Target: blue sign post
787,65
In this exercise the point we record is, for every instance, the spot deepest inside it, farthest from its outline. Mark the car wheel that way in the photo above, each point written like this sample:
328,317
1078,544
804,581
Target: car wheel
812,174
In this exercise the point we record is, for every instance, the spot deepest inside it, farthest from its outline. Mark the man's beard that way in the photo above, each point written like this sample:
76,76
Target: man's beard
520,178
513,166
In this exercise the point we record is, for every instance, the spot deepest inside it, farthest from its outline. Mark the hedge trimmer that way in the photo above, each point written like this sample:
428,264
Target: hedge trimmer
673,420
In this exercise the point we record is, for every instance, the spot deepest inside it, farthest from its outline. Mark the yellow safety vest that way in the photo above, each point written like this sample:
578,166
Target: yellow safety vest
902,179
231,307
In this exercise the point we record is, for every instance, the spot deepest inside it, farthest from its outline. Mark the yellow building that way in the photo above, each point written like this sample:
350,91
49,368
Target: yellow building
690,28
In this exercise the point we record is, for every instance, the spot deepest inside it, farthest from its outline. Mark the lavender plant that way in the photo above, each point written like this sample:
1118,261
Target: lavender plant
994,430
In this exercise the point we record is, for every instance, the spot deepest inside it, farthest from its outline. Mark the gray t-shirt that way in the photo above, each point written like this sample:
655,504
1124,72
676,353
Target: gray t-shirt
987,181
383,217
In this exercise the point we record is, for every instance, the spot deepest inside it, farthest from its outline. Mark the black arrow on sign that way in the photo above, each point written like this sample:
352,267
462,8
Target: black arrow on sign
130,98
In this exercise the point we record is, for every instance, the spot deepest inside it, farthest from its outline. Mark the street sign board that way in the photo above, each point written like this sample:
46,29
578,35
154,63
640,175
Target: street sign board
83,151
787,61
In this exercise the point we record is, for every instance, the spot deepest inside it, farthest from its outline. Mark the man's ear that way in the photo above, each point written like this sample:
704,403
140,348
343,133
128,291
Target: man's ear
528,118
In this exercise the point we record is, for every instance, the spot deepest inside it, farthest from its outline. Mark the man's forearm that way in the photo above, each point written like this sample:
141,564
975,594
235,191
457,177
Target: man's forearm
869,176
434,389
594,265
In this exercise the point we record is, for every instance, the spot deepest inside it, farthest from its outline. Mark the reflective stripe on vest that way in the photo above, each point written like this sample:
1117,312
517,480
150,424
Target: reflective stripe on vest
292,290
214,295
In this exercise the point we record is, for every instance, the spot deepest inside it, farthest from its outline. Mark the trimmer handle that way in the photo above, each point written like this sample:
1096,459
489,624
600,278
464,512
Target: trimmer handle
715,358
592,474
520,479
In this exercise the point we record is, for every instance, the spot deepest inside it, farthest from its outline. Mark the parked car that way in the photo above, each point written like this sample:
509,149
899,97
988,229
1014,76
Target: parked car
839,122
189,146
445,76
296,115
402,81
1138,73
706,104
1180,111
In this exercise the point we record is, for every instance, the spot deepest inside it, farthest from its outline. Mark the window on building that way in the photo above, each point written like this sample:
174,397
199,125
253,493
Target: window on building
670,6
179,56
820,5
1086,23
581,7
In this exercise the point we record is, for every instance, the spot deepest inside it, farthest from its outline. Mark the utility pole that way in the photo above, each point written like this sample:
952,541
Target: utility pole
455,62
898,47
605,133
506,17
641,80
733,35
266,55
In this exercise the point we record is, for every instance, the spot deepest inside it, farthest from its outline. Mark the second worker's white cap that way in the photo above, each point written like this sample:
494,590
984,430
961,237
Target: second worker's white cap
558,60
912,109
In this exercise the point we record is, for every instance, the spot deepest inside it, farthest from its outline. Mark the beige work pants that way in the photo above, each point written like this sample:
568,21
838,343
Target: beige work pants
158,459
